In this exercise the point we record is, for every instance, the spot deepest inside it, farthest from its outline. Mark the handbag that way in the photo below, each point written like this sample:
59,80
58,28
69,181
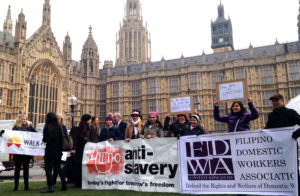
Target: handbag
67,142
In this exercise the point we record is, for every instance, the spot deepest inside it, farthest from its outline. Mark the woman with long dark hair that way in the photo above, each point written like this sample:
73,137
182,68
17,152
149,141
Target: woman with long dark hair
239,119
21,124
83,136
53,137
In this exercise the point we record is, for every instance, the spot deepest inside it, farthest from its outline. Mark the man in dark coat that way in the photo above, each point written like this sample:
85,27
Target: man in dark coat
121,125
282,116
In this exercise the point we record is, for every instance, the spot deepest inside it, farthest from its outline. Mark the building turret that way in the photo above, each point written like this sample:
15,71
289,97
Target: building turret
67,48
221,32
8,24
20,30
90,57
133,44
47,13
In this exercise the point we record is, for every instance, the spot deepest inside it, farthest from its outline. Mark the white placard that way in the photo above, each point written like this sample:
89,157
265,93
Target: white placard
22,142
149,165
229,91
180,104
254,162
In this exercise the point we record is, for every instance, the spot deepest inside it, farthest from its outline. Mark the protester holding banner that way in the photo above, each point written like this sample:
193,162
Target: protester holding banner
134,128
239,119
53,137
153,127
82,137
120,124
195,127
282,116
179,127
109,132
21,124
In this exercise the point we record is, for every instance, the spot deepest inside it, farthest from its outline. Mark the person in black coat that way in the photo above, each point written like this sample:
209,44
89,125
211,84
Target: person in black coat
21,124
177,128
282,116
195,127
109,132
120,124
82,137
53,137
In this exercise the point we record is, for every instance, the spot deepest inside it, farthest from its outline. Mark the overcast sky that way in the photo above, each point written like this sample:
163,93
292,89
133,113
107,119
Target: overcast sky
176,26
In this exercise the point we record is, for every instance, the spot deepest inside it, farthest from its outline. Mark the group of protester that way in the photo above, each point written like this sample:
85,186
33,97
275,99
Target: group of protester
116,129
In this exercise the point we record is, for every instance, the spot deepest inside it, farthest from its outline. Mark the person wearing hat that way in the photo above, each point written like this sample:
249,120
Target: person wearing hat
82,137
153,127
281,116
177,128
239,119
195,127
109,132
134,128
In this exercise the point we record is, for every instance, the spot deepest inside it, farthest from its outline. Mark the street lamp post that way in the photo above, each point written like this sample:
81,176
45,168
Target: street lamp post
72,102
31,98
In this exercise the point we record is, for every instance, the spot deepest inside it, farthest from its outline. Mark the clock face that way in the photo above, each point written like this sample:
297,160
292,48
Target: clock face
221,40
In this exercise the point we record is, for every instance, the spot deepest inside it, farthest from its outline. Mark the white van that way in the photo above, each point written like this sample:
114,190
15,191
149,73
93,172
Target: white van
6,162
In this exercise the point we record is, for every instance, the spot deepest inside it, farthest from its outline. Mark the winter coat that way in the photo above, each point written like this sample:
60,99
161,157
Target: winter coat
122,128
233,120
107,133
154,131
282,117
53,137
129,130
176,129
94,137
195,131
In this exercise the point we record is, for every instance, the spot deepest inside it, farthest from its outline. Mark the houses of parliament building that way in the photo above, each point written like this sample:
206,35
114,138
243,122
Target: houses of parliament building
36,77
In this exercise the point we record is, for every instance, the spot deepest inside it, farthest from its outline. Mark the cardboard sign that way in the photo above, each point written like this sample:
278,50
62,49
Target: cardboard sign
232,90
180,104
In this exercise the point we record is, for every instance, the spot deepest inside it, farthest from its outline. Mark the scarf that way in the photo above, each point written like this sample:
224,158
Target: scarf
135,129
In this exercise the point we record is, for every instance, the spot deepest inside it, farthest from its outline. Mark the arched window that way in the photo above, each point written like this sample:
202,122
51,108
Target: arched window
43,94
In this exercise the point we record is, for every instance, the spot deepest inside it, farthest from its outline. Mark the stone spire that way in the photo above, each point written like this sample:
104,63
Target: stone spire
133,9
67,48
133,44
47,13
90,57
21,28
8,24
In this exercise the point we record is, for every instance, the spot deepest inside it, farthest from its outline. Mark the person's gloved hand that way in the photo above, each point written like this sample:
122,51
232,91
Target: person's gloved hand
296,134
1,133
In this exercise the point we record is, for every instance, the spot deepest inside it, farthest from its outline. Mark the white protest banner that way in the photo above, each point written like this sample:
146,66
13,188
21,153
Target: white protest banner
253,162
149,165
232,90
22,142
180,104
